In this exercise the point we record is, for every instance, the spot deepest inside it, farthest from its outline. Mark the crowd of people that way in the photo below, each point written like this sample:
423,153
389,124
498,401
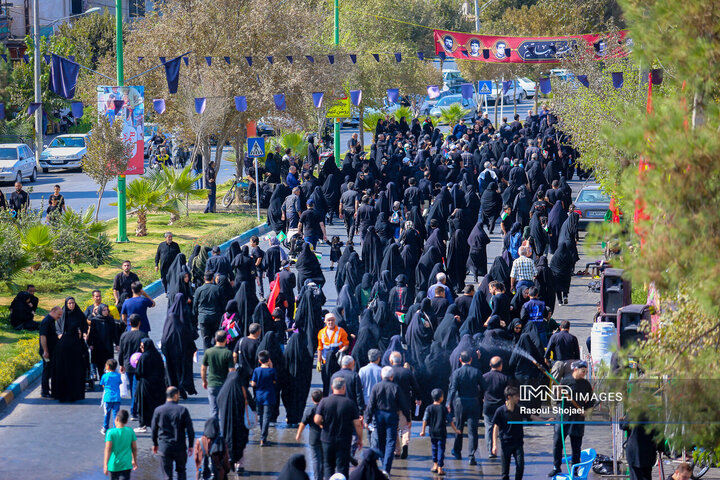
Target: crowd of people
422,330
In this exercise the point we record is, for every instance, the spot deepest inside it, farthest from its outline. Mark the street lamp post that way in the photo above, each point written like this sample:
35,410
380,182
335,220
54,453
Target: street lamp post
336,126
36,76
122,213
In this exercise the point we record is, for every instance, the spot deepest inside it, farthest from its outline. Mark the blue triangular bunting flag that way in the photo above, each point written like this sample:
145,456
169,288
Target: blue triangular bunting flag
227,60
200,104
353,58
466,90
331,59
545,86
583,80
376,56
63,76
172,73
208,60
310,58
77,109
356,97
289,59
279,100
32,108
249,61
240,103
617,79
317,99
393,94
159,105
270,59
398,57
421,55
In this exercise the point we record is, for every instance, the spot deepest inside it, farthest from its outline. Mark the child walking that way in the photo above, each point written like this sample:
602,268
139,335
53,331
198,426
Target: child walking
437,418
110,382
335,251
263,382
308,420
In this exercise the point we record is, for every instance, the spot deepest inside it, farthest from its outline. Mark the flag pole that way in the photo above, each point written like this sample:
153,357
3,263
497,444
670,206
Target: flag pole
336,126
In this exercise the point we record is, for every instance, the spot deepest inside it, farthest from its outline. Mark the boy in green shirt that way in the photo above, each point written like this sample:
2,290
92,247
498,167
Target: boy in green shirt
120,449
217,362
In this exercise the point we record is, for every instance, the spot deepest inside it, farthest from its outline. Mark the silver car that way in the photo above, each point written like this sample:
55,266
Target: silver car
592,204
466,103
17,162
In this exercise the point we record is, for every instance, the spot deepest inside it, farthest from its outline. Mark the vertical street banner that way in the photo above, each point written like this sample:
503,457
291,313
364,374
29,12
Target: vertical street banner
509,49
127,104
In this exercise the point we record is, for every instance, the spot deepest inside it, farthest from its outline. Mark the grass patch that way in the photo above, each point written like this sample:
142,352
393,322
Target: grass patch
18,350
54,285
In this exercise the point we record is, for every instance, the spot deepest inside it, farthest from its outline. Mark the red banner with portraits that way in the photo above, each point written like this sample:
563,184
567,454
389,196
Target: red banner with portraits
508,49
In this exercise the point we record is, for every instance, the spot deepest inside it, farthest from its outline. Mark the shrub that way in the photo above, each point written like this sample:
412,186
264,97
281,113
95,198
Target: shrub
25,357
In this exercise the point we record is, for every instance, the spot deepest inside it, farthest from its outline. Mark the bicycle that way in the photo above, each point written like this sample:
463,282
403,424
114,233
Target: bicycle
699,467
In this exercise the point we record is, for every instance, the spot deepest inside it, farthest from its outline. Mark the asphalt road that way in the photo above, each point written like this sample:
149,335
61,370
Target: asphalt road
40,435
80,191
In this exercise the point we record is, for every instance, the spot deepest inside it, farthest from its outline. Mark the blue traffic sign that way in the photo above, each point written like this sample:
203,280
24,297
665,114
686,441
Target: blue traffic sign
485,87
256,147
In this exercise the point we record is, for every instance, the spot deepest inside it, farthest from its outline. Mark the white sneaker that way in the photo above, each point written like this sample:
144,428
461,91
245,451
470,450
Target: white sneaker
102,431
140,430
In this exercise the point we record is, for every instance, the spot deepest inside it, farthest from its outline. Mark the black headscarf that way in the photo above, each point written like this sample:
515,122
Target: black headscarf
178,345
437,239
368,469
321,205
491,201
71,320
395,346
69,366
246,303
479,311
261,315
175,277
437,368
392,260
353,273
226,290
308,316
198,263
341,265
427,262
308,266
419,335
271,343
448,332
294,469
466,344
231,410
556,218
539,235
545,281
416,217
211,430
350,310
299,365
457,257
382,287
331,190
274,211
151,378
103,336
562,265
367,339
371,252
477,256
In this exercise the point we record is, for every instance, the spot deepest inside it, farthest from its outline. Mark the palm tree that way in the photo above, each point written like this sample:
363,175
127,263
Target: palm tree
295,141
452,114
142,197
403,112
37,243
370,120
177,186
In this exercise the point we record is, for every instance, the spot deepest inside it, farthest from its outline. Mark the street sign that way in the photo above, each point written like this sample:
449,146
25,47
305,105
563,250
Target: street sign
339,109
485,87
256,147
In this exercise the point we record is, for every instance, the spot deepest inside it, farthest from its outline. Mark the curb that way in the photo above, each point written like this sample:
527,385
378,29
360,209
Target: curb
155,289
19,385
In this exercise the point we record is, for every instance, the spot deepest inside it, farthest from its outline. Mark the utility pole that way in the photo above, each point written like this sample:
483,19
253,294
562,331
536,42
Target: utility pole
336,126
122,214
36,75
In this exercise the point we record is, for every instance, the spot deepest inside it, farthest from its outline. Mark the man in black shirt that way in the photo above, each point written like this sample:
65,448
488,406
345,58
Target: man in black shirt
218,263
580,388
348,207
386,399
353,386
171,423
337,415
405,379
413,196
511,435
166,253
22,310
207,309
463,301
312,226
464,398
19,200
210,185
494,383
308,420
365,216
58,197
48,340
245,351
563,345
122,289
129,344
257,254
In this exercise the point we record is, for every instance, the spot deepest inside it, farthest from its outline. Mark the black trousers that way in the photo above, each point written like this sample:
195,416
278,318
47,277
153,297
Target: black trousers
489,221
45,382
519,454
336,457
177,457
466,410
207,331
575,443
349,221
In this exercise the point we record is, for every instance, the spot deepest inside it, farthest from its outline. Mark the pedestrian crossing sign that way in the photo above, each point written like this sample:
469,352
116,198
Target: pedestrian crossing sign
256,147
485,87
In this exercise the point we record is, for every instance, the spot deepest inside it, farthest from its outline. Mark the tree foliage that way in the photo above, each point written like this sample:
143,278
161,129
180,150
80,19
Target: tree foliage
672,245
107,154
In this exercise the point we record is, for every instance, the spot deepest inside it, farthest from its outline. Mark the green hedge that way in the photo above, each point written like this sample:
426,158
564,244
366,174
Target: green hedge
25,357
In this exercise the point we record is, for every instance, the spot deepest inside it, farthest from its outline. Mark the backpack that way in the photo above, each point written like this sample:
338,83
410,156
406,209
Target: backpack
208,470
515,243
395,218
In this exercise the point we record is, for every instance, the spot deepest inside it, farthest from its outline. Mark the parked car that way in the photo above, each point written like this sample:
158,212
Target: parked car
467,103
65,151
527,85
514,91
452,78
428,103
591,204
17,162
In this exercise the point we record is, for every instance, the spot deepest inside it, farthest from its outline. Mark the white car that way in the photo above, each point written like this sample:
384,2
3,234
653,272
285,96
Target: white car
17,162
527,85
467,103
65,151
